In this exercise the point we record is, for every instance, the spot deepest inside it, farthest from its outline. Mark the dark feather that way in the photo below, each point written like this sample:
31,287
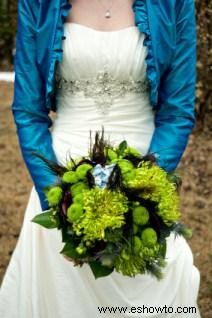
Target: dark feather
97,150
53,166
115,179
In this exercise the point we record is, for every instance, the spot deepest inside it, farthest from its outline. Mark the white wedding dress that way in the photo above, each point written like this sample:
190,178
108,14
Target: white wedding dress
39,282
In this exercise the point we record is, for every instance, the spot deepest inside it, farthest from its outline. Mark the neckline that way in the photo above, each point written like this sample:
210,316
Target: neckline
132,27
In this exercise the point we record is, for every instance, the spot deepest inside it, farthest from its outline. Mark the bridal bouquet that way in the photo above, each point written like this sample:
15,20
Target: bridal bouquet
115,208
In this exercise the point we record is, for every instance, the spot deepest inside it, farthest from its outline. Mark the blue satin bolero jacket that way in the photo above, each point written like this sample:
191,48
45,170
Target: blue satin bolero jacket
170,36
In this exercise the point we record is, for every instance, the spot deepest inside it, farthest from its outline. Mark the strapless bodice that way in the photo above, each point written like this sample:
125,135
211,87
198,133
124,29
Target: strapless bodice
87,51
101,81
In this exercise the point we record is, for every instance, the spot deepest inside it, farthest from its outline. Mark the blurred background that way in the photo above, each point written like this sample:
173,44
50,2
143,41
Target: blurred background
195,167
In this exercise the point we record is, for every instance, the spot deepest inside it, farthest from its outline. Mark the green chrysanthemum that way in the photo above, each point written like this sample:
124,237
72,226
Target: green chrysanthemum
149,254
140,215
111,154
103,209
54,195
75,211
129,263
70,177
82,170
154,185
78,187
125,165
78,198
149,237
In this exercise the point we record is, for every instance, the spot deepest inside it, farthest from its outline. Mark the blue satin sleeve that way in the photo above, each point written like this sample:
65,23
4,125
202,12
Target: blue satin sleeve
175,114
29,110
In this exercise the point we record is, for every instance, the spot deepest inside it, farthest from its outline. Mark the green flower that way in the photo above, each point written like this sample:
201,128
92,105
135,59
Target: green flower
154,184
140,215
70,177
149,254
149,237
125,165
82,170
135,257
78,198
75,211
54,195
111,154
103,209
128,176
128,263
78,187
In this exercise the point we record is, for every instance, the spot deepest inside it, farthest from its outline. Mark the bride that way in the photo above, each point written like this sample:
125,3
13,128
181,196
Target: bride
128,66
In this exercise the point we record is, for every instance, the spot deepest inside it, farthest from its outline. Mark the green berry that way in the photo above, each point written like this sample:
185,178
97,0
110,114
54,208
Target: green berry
135,203
75,211
149,237
88,243
140,215
70,177
106,261
54,195
81,249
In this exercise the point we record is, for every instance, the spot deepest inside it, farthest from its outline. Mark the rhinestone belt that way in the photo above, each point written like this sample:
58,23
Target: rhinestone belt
103,88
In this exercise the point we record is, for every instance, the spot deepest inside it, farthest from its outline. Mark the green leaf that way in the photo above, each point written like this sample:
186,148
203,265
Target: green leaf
69,250
66,234
99,270
45,219
122,146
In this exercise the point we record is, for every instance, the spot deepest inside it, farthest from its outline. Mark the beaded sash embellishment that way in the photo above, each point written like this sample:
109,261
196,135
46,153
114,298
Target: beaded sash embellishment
103,88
